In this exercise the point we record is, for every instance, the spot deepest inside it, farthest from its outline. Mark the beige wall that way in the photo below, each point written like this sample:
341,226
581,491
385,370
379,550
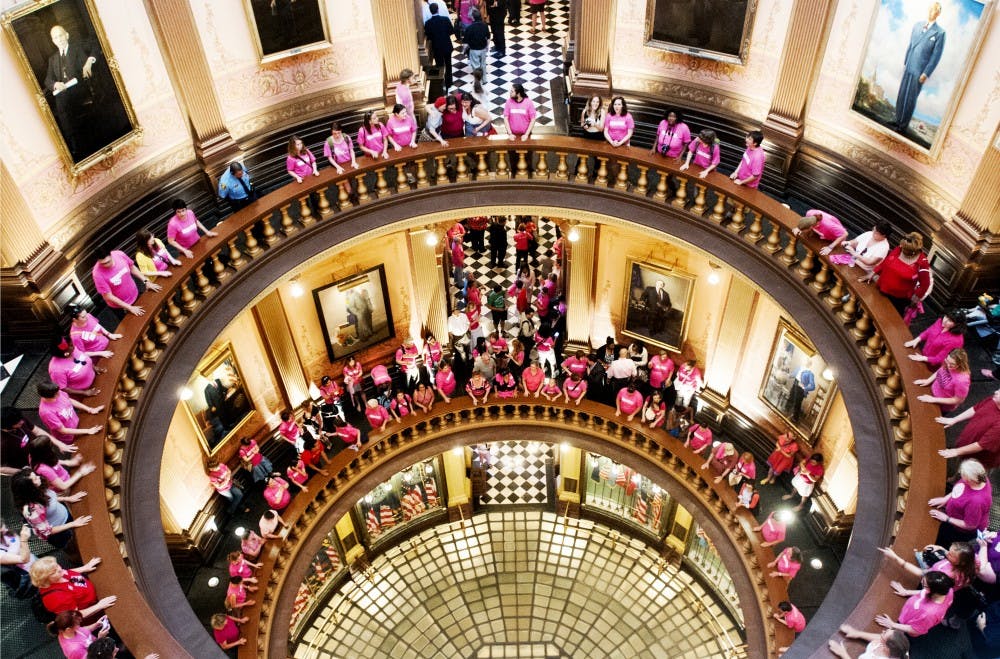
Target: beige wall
184,486
246,87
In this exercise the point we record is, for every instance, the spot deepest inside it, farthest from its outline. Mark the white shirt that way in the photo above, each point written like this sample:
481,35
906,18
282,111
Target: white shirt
865,247
458,325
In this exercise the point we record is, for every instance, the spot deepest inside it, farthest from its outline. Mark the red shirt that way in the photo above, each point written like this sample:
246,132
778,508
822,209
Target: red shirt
903,280
77,592
521,239
984,428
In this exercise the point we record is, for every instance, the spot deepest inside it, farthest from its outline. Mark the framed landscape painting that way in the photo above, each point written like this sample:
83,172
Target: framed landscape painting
656,305
714,29
916,64
354,312
282,28
70,68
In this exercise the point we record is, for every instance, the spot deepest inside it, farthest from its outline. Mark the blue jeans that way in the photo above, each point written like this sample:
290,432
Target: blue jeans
477,60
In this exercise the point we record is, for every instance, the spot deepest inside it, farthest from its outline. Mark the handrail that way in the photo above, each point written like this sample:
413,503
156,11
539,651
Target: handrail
873,324
438,431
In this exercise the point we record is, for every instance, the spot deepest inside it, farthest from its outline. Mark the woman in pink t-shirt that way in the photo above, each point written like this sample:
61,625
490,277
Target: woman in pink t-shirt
966,509
86,333
183,228
402,129
444,381
618,124
661,370
825,226
699,438
751,166
73,370
950,383
372,136
705,151
75,637
226,631
786,565
300,162
44,459
339,148
672,136
772,530
628,401
532,379
946,334
276,492
519,113
404,95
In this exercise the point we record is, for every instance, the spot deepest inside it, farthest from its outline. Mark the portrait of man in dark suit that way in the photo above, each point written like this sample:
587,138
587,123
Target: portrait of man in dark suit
922,57
657,301
64,51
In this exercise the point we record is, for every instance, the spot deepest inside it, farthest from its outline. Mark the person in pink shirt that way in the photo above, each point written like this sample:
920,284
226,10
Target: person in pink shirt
300,162
72,369
574,388
825,226
672,136
966,509
58,412
113,280
236,594
925,608
752,164
402,405
372,136
291,432
790,616
402,129
577,364
75,637
423,397
946,334
86,333
628,401
276,491
699,438
772,530
354,375
404,95
706,153
44,458
618,124
654,410
339,148
787,564
350,435
226,631
239,566
661,370
183,228
378,417
688,381
532,379
519,113
551,390
444,381
950,383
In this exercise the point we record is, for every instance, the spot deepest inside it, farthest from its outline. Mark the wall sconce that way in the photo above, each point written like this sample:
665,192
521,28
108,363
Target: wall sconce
296,289
713,276
240,531
431,239
574,234
828,374
185,393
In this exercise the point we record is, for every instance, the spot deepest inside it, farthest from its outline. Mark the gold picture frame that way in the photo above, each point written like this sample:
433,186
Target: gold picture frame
897,25
219,405
798,385
655,318
76,83
702,28
284,28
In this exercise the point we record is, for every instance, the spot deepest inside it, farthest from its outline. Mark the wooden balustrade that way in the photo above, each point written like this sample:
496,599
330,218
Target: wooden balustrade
866,315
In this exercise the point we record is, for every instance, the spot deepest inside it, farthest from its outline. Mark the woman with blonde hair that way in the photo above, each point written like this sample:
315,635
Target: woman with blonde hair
966,509
68,590
950,383
592,119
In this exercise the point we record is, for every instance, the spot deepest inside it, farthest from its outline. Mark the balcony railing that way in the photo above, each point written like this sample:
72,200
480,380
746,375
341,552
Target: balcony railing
245,258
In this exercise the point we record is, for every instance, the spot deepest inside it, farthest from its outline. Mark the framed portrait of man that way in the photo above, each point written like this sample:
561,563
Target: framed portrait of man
69,66
656,305
354,312
282,28
798,386
713,29
916,64
219,403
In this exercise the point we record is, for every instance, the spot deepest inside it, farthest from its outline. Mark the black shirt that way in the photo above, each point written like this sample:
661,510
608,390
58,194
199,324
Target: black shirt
438,30
477,35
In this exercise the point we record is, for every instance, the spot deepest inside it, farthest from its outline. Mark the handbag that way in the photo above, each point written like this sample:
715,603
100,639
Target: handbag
912,312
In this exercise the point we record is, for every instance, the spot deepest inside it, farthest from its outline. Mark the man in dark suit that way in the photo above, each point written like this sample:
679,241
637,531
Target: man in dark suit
89,114
657,301
496,11
922,57
439,30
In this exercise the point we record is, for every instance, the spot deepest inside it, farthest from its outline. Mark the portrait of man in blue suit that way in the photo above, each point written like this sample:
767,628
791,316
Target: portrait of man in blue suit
922,57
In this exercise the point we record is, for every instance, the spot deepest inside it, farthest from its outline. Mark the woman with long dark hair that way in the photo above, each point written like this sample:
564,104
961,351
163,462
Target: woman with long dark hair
618,125
46,462
45,510
372,136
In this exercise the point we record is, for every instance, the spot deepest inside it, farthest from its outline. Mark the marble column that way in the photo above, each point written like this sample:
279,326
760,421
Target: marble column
275,334
726,356
800,61
37,280
593,36
581,254
396,35
177,32
429,292
966,249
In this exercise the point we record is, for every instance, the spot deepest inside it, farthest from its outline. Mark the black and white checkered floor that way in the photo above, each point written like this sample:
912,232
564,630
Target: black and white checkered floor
517,473
531,59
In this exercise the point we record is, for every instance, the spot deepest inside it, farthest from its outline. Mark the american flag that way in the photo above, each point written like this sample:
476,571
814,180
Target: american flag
386,518
605,473
301,600
432,494
332,555
373,527
621,480
418,500
409,507
657,510
640,510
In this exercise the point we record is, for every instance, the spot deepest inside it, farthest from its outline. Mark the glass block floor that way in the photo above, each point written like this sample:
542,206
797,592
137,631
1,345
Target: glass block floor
520,584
